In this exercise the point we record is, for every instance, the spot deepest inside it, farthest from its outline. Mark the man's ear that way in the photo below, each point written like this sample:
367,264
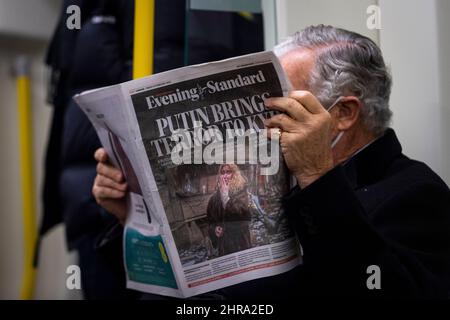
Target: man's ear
346,113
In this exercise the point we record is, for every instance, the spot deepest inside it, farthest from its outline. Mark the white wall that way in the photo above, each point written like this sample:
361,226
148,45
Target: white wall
28,18
414,39
294,15
443,27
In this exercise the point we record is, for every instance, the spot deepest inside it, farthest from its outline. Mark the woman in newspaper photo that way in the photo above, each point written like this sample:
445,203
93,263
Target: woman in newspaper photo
228,212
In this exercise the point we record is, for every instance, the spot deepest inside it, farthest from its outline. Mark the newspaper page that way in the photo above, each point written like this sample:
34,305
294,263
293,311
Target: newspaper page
204,210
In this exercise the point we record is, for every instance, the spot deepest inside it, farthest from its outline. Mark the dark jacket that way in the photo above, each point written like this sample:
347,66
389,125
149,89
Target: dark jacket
98,54
380,208
234,219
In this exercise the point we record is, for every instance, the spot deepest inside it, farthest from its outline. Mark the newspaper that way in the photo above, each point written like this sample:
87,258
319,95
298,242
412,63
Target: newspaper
205,182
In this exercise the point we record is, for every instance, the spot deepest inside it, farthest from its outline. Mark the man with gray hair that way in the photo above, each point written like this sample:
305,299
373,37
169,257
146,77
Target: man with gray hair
371,221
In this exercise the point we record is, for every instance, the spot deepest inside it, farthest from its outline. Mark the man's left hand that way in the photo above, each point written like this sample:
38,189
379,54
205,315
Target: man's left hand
305,135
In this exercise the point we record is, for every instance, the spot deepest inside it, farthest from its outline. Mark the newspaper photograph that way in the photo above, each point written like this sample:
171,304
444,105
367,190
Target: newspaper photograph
206,183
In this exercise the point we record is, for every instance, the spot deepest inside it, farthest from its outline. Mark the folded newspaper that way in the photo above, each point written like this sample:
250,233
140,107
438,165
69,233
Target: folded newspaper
205,182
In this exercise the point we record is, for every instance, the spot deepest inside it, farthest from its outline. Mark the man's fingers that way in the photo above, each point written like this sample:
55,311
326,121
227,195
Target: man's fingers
101,155
282,121
105,169
107,193
308,101
287,105
110,172
103,181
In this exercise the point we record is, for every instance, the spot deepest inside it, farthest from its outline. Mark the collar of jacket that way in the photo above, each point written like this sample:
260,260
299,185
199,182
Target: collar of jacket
367,166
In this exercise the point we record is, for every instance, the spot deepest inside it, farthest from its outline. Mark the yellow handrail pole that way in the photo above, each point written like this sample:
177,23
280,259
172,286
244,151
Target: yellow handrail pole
144,25
27,176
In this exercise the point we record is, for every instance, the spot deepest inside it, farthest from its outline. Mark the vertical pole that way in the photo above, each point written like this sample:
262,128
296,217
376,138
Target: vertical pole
27,176
187,16
144,23
269,11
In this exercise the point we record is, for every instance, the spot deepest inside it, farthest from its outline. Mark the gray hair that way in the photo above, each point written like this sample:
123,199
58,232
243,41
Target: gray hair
347,63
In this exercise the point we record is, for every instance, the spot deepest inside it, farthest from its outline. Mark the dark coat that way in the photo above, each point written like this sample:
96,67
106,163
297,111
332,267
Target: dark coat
380,208
98,54
234,219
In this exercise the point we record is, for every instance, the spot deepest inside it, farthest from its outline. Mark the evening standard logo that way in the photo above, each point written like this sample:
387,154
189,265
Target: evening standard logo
198,92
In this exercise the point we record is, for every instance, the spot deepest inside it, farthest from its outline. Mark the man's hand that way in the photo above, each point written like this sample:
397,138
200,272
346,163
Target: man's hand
110,187
306,135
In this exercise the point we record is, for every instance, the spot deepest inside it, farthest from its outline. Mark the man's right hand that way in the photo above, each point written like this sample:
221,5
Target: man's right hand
110,187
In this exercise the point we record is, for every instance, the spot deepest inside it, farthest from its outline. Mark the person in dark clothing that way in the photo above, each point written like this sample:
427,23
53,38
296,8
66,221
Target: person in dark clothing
379,208
359,204
100,54
228,212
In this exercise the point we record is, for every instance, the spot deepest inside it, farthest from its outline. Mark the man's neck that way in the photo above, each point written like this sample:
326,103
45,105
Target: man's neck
352,142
